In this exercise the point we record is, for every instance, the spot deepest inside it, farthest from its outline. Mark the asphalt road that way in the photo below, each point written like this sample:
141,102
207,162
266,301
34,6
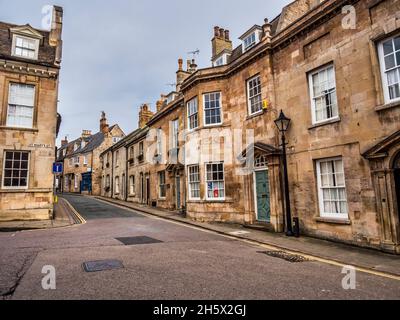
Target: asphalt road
184,263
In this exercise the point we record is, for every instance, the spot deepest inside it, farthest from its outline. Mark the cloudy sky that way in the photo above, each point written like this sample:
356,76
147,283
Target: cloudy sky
119,54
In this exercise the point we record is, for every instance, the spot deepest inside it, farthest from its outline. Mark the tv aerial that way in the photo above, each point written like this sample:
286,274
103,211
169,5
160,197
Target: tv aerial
194,53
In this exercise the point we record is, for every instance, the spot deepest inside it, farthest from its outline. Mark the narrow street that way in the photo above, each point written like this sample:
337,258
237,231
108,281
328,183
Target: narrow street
182,263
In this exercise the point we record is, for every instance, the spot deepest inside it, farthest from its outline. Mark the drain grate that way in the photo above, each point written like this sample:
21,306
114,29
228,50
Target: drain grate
294,258
138,240
102,265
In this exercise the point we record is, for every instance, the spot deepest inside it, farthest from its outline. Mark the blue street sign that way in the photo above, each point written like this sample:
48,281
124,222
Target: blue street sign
57,167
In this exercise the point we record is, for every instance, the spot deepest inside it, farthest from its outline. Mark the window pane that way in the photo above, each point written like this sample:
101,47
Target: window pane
388,47
397,43
389,62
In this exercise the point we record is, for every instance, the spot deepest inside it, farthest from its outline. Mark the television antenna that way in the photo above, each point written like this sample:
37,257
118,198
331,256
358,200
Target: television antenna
194,53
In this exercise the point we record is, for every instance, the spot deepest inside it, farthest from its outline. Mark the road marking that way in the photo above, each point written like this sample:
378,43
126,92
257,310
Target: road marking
262,245
82,220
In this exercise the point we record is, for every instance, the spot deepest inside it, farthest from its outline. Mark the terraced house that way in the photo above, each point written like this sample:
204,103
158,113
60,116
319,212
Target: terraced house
333,67
81,158
30,62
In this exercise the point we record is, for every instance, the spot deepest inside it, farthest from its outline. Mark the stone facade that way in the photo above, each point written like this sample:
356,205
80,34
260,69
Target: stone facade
29,79
323,63
81,159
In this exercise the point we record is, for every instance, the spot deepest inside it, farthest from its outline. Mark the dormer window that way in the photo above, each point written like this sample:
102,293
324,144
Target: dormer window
249,41
251,37
25,47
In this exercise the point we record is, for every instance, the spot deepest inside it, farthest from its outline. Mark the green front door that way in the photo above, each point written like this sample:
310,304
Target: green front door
263,197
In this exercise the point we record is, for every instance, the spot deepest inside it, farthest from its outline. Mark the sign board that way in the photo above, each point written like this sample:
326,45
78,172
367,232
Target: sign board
57,168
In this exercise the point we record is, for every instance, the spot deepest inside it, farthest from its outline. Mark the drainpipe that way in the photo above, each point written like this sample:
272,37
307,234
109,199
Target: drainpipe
91,173
112,174
127,178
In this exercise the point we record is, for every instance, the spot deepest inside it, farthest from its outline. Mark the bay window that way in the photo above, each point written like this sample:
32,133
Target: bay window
212,108
193,114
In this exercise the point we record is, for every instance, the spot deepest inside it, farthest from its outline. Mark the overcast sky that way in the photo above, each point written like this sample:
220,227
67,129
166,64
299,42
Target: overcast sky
119,54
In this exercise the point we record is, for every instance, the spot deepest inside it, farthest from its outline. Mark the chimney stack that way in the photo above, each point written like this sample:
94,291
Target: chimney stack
86,134
181,74
104,127
221,41
55,39
144,115
64,142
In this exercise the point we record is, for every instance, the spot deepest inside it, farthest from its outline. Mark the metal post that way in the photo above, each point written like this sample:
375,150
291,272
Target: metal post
289,225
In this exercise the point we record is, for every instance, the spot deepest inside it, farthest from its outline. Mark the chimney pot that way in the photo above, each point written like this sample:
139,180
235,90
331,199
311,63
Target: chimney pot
227,35
180,64
216,31
221,32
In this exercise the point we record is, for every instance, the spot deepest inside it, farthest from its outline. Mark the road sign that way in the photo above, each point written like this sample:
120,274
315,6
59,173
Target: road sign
57,168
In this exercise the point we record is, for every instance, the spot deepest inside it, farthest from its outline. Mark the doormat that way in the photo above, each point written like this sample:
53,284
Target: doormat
131,241
102,265
293,258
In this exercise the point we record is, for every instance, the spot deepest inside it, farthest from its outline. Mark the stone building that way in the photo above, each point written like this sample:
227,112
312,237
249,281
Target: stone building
125,165
81,158
331,67
29,77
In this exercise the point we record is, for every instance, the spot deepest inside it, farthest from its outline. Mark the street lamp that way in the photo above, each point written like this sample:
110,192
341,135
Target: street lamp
283,124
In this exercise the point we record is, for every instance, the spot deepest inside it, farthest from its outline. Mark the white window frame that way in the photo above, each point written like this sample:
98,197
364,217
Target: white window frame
4,168
76,160
251,44
160,196
85,160
311,88
220,109
323,214
189,104
36,49
190,182
117,186
132,185
384,77
159,137
206,182
175,134
32,107
249,106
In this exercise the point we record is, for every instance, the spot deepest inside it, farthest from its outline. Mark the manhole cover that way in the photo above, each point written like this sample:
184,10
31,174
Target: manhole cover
294,258
138,240
102,265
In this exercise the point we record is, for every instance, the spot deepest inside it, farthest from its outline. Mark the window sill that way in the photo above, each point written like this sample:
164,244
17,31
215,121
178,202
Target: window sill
328,122
210,201
255,115
24,190
333,221
19,129
387,106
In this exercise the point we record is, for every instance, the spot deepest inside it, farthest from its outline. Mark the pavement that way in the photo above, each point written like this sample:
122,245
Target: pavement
184,262
317,248
64,216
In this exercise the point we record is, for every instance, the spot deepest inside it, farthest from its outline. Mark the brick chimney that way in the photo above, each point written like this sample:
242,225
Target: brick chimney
55,39
181,75
220,42
86,134
64,142
160,103
144,115
104,127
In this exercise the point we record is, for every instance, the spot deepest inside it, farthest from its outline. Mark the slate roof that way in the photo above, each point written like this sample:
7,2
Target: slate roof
47,53
92,142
